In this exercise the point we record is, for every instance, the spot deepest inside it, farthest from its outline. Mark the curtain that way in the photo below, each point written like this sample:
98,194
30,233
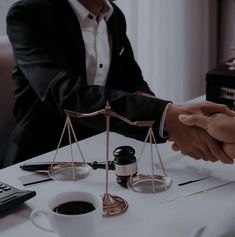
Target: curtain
227,30
172,42
4,7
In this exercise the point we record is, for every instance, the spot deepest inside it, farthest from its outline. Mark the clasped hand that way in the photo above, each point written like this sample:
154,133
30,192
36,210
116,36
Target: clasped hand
192,130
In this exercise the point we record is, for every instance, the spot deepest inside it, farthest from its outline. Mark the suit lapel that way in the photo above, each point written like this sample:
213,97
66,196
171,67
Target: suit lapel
73,39
115,32
113,28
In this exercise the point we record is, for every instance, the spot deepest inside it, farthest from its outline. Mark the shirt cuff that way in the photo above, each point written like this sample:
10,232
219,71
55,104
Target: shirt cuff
162,133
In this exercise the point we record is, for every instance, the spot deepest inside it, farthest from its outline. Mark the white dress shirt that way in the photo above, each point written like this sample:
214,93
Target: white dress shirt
98,46
97,41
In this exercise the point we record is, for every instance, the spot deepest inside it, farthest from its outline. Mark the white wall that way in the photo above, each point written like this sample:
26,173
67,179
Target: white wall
227,30
4,6
172,43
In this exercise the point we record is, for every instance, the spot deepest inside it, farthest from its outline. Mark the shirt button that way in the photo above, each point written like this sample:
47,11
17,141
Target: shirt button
101,65
90,16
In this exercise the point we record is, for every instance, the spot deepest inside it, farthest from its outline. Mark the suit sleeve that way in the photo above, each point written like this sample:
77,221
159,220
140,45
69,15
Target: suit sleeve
58,88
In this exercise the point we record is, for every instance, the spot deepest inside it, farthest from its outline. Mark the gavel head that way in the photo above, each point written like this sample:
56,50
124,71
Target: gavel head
125,164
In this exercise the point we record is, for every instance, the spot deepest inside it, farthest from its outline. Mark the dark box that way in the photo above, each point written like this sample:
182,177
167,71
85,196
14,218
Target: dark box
220,85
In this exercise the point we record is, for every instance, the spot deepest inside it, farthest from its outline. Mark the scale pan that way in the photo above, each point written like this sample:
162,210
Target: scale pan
69,171
149,183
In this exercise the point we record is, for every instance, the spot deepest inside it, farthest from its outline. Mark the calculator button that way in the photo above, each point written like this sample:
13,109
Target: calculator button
6,188
11,196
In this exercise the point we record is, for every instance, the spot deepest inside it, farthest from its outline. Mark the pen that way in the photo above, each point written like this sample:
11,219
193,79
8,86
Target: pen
44,166
36,182
191,181
38,166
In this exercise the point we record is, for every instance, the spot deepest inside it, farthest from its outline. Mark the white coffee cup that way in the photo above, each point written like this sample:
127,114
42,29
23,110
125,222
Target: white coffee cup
67,225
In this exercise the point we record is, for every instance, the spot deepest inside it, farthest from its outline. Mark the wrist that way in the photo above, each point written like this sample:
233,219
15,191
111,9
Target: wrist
172,124
171,114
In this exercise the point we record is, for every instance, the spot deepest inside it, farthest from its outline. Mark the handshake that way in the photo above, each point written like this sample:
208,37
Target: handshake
202,131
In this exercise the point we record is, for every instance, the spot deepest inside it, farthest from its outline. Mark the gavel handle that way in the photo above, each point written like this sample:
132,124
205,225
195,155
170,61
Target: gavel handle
101,165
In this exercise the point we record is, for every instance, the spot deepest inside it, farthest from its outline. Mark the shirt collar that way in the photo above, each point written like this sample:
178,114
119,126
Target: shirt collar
83,13
107,10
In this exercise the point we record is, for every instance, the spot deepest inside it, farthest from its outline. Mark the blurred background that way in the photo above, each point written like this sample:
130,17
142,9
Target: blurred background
175,41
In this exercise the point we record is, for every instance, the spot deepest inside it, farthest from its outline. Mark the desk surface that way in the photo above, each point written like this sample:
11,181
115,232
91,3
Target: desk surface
148,214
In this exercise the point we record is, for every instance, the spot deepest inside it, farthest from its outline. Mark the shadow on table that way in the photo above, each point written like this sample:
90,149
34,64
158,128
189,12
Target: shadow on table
14,216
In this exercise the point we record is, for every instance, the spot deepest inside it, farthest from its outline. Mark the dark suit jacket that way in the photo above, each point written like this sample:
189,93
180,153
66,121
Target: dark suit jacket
50,76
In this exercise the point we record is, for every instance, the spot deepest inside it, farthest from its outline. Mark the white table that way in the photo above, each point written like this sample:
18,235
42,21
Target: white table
148,214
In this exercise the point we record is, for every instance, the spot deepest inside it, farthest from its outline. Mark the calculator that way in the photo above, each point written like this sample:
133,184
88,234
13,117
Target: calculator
11,196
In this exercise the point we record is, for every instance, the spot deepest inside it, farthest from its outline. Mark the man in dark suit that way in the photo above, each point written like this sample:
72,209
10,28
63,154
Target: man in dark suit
74,54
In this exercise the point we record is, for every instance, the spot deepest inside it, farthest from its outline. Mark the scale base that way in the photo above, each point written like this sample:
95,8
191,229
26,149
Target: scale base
113,205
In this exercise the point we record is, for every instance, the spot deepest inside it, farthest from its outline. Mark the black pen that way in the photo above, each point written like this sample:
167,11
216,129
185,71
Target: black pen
44,166
36,182
191,181
38,166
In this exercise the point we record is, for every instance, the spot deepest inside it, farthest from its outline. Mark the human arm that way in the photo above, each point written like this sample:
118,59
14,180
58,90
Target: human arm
50,61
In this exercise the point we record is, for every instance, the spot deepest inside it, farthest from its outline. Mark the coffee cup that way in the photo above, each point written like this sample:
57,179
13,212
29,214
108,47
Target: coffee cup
71,214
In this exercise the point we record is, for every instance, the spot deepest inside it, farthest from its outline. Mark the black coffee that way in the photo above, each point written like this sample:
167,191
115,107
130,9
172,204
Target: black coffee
74,208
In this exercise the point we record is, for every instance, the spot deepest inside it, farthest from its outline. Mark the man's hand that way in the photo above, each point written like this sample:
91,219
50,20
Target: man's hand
193,141
206,108
220,126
